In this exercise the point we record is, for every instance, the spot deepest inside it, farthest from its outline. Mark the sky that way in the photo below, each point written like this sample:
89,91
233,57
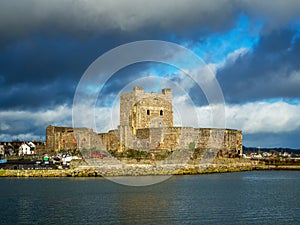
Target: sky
252,49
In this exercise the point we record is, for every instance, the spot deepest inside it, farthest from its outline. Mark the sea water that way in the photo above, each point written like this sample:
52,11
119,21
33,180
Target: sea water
256,197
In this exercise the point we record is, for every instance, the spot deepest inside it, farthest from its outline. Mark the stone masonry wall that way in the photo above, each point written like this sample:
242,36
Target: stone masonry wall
128,100
68,139
139,109
151,112
172,138
146,122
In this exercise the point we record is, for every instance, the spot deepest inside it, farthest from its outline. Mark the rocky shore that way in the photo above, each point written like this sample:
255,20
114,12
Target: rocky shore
110,170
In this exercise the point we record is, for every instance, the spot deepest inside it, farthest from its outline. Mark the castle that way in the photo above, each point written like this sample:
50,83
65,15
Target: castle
146,123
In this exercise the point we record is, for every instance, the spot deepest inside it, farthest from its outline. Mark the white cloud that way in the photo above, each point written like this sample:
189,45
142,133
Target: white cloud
257,117
251,118
56,116
27,125
233,56
107,119
22,137
254,117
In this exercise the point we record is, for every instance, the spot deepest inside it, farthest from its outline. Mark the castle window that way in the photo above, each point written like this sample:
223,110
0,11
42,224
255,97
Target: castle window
148,111
161,112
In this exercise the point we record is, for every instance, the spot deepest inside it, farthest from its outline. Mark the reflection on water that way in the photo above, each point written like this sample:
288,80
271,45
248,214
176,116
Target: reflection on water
260,197
139,180
137,206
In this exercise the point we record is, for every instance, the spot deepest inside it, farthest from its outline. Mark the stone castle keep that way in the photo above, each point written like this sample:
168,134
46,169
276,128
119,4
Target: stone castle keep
146,123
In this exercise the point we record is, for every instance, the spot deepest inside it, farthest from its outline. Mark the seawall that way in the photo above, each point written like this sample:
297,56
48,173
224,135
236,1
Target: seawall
219,166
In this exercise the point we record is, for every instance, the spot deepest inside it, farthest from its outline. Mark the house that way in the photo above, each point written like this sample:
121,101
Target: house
25,149
31,145
8,149
2,152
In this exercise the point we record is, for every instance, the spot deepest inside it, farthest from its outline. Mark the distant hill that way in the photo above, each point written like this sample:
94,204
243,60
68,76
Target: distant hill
255,149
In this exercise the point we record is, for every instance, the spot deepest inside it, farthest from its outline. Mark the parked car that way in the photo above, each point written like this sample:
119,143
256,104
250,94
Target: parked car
98,155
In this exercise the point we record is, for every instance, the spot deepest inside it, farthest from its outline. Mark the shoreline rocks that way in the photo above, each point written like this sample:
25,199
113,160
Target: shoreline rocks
218,166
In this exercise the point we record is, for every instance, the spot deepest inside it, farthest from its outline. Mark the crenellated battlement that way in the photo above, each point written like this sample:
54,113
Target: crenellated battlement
146,122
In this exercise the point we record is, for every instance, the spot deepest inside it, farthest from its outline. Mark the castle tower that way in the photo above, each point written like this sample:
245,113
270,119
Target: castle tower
139,109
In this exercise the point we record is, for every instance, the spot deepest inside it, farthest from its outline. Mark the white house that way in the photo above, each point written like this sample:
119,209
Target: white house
25,150
31,145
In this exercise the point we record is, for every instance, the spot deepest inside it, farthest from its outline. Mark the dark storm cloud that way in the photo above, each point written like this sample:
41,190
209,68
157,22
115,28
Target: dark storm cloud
271,70
33,96
45,47
270,140
274,14
44,57
41,72
85,18
82,19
